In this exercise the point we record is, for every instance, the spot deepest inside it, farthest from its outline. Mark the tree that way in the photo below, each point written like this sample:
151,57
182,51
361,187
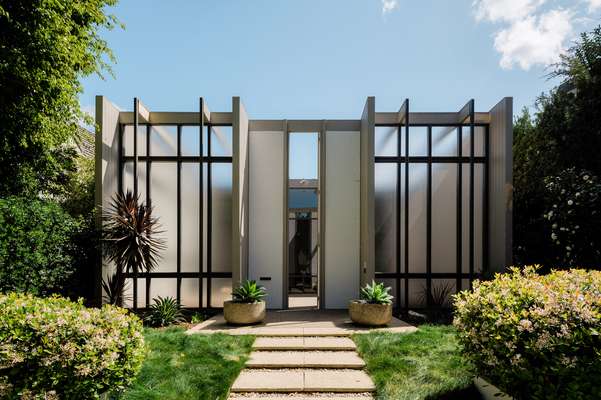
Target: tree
565,133
46,46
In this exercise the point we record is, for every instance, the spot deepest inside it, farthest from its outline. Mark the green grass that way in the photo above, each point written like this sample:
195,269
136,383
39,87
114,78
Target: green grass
180,366
426,364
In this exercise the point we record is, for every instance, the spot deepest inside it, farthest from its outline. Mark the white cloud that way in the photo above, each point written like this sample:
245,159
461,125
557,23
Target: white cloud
532,32
534,39
505,10
594,5
389,5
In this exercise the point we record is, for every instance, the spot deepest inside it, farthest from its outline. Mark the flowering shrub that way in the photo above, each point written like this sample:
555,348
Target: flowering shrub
53,348
574,217
535,336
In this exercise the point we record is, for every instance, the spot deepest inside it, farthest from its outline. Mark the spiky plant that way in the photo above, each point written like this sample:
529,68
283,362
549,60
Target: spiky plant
164,311
249,292
114,290
131,238
376,293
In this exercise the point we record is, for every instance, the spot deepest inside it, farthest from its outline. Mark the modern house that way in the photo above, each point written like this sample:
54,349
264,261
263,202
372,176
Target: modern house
418,200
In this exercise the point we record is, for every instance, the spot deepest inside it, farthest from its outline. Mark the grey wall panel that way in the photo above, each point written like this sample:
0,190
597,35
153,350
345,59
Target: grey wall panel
367,227
342,218
106,172
266,205
501,184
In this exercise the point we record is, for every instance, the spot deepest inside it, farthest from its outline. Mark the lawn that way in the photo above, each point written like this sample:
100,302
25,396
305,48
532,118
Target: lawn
180,366
421,365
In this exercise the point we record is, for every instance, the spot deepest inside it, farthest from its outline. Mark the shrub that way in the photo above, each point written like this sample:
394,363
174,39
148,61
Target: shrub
535,336
53,348
573,217
376,293
249,292
164,311
36,247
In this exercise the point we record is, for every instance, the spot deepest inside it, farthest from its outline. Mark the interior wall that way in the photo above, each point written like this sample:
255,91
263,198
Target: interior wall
342,218
266,202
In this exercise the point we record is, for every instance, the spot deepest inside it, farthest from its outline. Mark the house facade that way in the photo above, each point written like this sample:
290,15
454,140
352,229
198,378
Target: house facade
418,200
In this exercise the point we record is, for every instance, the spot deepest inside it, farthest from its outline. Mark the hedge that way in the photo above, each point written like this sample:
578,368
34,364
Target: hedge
53,348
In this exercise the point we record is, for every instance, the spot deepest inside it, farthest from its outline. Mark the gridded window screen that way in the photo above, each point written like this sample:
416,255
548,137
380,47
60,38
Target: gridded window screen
128,179
221,203
190,144
418,141
385,216
418,186
386,140
163,140
194,210
445,212
221,141
444,141
444,217
190,222
164,201
128,140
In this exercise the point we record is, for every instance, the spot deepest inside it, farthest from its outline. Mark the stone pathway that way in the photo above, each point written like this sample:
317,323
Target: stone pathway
303,368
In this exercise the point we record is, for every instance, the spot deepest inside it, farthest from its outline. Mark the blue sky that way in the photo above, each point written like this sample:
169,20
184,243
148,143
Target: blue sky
321,59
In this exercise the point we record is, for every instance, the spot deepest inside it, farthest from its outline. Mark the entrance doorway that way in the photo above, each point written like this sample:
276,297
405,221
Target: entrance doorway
303,221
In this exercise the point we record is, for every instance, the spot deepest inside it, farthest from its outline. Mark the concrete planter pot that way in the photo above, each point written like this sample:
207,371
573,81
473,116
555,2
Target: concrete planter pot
489,391
370,314
243,313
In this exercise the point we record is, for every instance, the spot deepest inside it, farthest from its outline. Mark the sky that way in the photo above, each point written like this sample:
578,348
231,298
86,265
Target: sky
322,58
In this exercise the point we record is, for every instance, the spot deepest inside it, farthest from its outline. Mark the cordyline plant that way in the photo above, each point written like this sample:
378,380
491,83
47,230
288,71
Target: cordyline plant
130,236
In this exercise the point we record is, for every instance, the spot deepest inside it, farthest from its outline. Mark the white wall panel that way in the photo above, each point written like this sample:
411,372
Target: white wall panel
342,218
266,217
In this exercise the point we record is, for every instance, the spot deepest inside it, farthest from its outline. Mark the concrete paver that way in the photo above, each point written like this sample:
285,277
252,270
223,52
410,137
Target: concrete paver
279,343
329,343
332,359
269,381
305,359
337,381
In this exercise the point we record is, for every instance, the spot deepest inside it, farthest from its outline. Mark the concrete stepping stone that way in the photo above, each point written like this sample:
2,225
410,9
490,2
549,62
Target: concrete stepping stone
333,359
276,359
305,359
269,381
338,381
301,396
279,343
329,343
303,380
304,343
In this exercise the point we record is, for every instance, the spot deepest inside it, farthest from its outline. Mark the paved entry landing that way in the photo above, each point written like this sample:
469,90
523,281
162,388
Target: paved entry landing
299,323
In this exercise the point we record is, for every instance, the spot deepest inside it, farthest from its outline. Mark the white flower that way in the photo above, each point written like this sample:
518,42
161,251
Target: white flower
585,177
553,236
570,202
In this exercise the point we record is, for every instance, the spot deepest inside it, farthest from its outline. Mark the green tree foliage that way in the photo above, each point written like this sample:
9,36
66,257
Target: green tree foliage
37,248
565,133
574,217
46,46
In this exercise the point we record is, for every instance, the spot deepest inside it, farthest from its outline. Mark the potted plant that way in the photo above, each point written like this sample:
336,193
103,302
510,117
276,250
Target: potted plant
247,306
375,306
